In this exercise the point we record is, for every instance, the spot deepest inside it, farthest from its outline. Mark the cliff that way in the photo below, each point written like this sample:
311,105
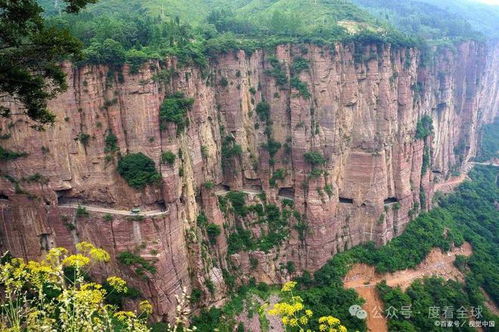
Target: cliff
357,106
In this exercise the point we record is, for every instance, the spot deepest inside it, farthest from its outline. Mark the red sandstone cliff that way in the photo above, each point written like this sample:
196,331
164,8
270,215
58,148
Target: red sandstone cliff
361,116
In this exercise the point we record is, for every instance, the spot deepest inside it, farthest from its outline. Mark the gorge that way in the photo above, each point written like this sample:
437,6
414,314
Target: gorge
336,145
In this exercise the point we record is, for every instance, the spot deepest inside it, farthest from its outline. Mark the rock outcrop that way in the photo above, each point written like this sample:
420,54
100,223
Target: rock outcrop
358,106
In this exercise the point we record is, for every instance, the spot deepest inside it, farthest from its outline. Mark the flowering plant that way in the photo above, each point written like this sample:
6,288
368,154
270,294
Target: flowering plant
295,317
42,296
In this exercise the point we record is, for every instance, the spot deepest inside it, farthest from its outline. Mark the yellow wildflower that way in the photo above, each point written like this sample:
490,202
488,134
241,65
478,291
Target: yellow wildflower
118,284
77,260
84,246
99,255
123,315
309,313
342,329
145,307
293,322
54,254
288,286
332,320
303,320
285,320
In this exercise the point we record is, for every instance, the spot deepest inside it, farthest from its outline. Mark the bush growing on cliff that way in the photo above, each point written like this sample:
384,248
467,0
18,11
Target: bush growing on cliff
237,200
314,158
6,154
174,109
424,127
263,111
81,212
272,147
110,143
138,170
299,64
168,157
230,149
138,263
279,174
301,87
277,72
213,232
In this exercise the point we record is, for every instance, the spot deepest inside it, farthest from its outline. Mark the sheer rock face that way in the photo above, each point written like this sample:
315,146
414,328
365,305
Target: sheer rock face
361,115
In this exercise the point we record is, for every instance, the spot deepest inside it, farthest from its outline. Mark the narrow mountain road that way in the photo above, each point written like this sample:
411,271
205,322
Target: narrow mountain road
453,182
150,213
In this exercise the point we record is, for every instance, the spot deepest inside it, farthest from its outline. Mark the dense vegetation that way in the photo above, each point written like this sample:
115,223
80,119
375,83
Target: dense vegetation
174,109
114,35
138,170
424,20
274,223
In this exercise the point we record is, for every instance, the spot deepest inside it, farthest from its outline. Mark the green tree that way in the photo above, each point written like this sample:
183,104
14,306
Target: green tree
138,170
30,56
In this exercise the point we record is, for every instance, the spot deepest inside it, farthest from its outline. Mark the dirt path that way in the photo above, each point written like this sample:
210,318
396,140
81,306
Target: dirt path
455,181
363,278
114,211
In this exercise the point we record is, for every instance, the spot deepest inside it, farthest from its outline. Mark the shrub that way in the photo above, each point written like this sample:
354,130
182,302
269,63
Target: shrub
230,149
204,151
424,127
314,158
107,217
202,220
10,155
111,143
209,184
279,174
237,200
290,266
299,64
223,82
263,110
138,170
83,138
272,147
174,109
130,259
253,262
329,190
196,295
168,157
81,212
301,87
213,232
277,72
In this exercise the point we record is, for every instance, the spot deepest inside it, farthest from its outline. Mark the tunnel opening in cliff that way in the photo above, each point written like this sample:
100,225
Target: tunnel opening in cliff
160,205
287,192
3,196
345,200
64,197
390,200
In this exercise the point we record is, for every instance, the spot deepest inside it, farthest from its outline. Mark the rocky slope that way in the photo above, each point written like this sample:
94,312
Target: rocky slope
360,110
